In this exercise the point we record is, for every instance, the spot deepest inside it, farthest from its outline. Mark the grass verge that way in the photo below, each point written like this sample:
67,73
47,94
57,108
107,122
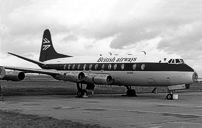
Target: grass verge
18,120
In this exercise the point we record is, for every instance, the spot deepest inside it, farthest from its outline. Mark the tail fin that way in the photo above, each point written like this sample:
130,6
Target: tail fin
47,50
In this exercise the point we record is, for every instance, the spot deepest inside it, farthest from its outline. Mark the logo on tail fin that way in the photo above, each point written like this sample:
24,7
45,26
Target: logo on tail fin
45,41
45,47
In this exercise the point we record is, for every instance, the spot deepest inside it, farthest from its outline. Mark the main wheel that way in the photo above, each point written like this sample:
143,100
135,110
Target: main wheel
169,97
131,92
82,93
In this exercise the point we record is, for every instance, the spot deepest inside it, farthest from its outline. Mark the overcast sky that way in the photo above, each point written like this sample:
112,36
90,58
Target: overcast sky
88,27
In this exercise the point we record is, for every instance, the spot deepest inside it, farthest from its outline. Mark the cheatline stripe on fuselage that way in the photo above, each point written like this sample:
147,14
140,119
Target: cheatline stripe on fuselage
121,67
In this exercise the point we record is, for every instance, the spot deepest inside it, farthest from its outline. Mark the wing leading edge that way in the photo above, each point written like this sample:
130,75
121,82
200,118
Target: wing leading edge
41,64
32,70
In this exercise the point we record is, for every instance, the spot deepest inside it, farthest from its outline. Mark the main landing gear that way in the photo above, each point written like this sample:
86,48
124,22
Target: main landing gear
1,94
130,91
81,92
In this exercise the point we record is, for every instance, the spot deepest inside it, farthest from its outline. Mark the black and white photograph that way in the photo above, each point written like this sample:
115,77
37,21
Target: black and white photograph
100,63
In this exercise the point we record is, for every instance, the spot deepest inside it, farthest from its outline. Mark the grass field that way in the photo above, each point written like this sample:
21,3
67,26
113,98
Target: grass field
17,120
46,85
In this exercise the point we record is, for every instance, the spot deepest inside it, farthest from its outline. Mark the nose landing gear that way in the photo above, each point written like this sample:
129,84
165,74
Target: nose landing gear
171,91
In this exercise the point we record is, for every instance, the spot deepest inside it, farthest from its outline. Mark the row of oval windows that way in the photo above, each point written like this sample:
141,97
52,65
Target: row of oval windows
103,66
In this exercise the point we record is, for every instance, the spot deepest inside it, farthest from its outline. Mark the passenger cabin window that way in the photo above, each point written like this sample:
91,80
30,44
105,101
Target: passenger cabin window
65,66
84,66
73,66
103,66
134,66
90,67
122,66
115,66
69,66
96,66
78,67
142,66
109,66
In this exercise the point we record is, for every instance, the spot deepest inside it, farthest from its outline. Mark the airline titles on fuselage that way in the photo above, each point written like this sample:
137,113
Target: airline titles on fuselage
114,59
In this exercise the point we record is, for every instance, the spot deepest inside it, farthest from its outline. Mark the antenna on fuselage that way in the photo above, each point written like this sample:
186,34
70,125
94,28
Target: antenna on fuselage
144,52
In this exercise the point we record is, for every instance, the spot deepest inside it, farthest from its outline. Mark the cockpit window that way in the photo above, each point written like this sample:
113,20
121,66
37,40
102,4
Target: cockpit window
170,61
182,61
176,61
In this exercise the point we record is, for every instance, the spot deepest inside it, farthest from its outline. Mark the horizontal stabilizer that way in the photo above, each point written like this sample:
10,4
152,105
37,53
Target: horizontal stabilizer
27,59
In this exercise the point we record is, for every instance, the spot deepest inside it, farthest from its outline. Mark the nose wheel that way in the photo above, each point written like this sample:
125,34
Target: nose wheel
169,97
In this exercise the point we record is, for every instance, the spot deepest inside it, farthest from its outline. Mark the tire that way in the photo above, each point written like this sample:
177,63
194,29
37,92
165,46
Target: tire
131,92
80,93
169,97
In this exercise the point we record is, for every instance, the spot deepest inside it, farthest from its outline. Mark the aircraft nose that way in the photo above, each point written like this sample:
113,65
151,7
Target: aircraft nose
195,77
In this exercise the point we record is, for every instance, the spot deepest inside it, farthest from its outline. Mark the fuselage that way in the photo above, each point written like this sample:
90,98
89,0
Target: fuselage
128,71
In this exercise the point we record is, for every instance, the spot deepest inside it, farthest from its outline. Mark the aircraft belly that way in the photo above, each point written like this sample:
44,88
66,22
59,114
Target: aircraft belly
141,78
148,78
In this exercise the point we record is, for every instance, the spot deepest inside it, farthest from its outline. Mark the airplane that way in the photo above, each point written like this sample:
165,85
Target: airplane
125,71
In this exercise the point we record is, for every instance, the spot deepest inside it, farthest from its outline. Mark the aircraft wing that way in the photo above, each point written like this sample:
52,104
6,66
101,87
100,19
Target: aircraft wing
32,70
27,59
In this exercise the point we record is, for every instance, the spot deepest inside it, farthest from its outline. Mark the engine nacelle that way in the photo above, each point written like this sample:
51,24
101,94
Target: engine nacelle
101,79
70,76
13,76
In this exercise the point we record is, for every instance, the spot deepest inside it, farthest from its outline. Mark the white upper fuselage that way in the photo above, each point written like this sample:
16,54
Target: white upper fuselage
105,59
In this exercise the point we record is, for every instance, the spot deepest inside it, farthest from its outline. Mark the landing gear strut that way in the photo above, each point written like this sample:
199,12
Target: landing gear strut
1,94
81,92
130,92
154,90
